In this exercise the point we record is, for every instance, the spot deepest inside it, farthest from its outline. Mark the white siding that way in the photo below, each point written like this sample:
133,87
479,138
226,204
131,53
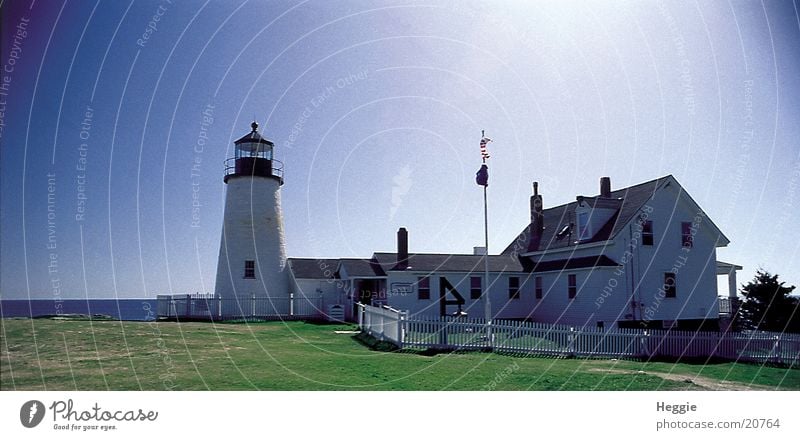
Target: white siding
502,306
695,267
629,291
252,230
643,267
331,290
589,305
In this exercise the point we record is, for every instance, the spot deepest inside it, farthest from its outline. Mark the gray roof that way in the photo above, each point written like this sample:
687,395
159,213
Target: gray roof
450,262
362,267
253,136
627,201
313,268
557,218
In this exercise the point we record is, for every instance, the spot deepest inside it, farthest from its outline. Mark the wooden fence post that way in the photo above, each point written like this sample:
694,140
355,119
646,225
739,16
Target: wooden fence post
571,342
401,328
383,329
442,331
643,351
490,331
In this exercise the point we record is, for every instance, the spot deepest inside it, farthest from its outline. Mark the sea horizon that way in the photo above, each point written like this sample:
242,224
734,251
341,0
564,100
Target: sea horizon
123,309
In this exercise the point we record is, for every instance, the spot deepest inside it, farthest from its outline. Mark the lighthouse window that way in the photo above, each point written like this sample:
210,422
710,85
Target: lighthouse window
249,268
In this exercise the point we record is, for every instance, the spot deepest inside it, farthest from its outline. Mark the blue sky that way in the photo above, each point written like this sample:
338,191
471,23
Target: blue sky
376,109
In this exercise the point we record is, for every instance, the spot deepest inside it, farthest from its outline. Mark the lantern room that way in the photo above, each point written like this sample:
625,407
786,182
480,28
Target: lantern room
253,157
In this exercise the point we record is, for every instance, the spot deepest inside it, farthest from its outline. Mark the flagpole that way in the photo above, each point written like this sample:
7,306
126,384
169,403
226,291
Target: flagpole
487,303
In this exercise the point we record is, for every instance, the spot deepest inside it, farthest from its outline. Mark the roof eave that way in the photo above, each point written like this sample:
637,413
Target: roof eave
578,246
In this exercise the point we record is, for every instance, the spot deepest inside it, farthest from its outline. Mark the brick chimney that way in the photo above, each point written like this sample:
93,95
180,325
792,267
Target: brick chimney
537,219
605,187
402,248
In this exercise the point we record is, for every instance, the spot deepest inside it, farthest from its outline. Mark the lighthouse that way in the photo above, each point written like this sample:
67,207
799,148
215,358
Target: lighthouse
252,254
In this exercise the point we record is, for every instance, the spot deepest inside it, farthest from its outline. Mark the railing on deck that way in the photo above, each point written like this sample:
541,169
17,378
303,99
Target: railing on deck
724,305
460,333
208,307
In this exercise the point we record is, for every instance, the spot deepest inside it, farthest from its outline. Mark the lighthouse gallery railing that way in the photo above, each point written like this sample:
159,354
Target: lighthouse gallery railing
230,167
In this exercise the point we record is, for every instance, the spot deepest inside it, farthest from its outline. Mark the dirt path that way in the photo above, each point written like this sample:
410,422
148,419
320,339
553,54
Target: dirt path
700,381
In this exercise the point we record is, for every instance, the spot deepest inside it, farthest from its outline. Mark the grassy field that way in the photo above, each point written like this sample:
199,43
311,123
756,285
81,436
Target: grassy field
53,354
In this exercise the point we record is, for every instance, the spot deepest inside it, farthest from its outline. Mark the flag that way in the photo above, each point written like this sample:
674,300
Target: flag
484,152
482,176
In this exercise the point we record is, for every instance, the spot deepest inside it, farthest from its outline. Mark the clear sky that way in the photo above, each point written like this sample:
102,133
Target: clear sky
376,109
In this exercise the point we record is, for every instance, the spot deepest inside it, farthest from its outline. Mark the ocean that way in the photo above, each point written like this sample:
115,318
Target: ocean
122,309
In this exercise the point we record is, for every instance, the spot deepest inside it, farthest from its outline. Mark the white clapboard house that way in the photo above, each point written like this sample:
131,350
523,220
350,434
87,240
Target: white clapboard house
642,256
638,256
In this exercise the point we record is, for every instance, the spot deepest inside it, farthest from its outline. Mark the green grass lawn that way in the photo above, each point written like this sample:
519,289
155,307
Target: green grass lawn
98,355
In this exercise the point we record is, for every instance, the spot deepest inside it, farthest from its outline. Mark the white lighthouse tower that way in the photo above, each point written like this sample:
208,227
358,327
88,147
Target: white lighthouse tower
251,275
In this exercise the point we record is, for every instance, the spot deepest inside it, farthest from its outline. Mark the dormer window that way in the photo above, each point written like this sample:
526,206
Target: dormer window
584,227
592,214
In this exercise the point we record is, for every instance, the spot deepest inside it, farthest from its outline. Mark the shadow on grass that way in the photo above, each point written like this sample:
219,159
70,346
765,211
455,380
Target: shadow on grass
74,317
334,325
373,343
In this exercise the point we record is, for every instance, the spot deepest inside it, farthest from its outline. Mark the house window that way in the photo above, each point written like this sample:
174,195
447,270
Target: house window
669,285
686,234
474,287
538,287
513,287
249,268
583,226
572,285
647,233
423,288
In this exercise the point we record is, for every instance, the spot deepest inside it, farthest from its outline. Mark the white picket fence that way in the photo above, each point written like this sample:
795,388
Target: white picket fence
208,307
461,333
383,323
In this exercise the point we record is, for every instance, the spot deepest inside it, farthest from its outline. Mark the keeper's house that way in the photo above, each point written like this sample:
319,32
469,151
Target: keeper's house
642,256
